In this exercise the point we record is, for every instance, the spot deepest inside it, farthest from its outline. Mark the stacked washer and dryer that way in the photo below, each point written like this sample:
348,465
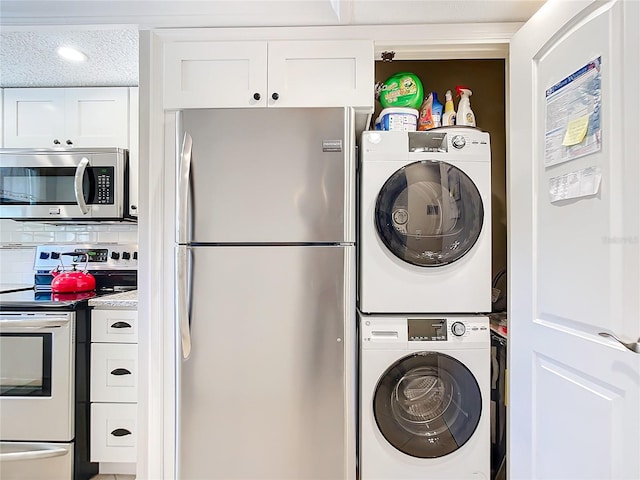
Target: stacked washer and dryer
424,279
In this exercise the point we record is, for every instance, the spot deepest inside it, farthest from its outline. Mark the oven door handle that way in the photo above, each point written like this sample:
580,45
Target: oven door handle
77,185
31,452
35,324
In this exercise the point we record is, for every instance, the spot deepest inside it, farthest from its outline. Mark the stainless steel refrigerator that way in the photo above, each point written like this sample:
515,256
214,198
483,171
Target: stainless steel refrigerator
266,294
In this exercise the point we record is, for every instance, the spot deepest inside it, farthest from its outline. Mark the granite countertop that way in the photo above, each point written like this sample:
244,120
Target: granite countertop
117,300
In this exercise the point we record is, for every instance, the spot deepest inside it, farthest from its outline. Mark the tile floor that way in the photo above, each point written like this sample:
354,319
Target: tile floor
109,476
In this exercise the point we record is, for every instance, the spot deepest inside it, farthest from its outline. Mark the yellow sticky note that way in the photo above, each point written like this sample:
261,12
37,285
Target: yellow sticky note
576,130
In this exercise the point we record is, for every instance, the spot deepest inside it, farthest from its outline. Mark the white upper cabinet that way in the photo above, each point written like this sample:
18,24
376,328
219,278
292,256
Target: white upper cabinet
66,117
245,74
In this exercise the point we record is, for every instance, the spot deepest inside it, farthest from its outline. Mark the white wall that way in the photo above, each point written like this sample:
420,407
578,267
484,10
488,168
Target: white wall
19,239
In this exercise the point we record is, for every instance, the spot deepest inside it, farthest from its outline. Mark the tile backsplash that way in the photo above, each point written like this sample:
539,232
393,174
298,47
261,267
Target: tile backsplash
19,239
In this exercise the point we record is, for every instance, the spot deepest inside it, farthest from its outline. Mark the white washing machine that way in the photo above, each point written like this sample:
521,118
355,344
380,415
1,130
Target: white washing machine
425,221
425,393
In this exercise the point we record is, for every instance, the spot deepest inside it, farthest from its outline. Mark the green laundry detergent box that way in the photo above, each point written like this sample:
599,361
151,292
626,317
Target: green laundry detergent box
402,89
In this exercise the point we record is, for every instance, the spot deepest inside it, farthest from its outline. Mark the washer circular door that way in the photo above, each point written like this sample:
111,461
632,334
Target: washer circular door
427,405
429,213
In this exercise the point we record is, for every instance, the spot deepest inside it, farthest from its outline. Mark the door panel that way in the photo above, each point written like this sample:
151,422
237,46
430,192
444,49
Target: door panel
574,263
33,117
215,74
264,392
261,176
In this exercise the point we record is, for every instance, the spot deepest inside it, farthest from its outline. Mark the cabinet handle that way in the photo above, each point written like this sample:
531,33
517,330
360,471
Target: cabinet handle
120,432
56,141
275,96
256,96
69,142
120,371
134,207
121,325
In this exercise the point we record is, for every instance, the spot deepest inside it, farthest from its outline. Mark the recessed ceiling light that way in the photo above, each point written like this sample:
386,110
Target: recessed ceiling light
71,54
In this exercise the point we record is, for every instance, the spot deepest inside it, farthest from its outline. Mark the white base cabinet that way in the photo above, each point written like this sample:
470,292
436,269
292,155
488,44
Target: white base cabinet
114,385
66,117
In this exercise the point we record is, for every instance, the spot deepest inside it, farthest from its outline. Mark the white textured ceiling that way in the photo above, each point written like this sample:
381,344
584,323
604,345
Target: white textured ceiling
34,29
29,59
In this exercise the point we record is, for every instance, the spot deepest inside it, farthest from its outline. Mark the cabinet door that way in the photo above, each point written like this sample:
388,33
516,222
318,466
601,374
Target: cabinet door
114,432
321,73
133,151
114,372
33,117
97,117
114,326
1,117
215,75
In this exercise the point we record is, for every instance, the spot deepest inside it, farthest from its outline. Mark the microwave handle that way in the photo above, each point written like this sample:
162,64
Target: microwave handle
82,167
183,188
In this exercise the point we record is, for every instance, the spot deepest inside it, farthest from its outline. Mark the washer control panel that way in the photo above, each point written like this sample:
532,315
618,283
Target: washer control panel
416,331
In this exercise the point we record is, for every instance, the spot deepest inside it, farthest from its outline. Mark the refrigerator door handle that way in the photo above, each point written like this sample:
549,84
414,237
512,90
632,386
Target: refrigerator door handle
184,180
183,281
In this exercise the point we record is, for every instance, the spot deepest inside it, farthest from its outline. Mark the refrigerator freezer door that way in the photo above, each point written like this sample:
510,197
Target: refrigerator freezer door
270,175
268,390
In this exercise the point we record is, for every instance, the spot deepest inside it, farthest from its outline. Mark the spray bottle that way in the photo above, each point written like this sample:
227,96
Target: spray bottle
465,115
449,116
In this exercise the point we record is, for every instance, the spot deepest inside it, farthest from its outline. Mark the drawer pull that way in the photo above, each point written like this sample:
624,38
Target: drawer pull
120,371
120,432
121,325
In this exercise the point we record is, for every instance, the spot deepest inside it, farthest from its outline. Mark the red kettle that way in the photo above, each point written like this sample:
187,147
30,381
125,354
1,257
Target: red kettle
74,280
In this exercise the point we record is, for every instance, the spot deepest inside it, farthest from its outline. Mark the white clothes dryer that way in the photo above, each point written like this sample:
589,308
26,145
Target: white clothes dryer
425,395
425,221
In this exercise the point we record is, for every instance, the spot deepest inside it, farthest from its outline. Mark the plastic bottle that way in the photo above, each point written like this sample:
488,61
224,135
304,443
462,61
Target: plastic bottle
449,116
425,117
436,111
465,115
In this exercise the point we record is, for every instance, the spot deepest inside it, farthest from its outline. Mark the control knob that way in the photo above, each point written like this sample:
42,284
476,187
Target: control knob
126,255
115,255
458,329
55,255
458,142
44,255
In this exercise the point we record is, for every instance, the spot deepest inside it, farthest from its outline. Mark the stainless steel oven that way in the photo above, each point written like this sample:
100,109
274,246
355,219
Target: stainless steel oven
64,184
37,378
38,415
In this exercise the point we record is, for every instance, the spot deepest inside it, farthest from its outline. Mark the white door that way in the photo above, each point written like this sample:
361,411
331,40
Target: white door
574,395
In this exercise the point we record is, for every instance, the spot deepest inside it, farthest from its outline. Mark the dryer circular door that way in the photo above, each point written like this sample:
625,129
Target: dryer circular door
427,405
429,213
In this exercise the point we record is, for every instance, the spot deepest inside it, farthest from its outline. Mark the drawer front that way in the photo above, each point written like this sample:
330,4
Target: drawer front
118,326
114,433
114,372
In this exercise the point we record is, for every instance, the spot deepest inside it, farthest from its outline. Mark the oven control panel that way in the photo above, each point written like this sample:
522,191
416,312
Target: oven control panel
98,256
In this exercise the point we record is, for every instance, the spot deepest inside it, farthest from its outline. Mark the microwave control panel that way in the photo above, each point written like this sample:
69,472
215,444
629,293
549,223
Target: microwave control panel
103,178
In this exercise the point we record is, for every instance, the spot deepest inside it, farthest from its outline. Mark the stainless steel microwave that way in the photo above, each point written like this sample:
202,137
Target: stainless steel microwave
64,184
